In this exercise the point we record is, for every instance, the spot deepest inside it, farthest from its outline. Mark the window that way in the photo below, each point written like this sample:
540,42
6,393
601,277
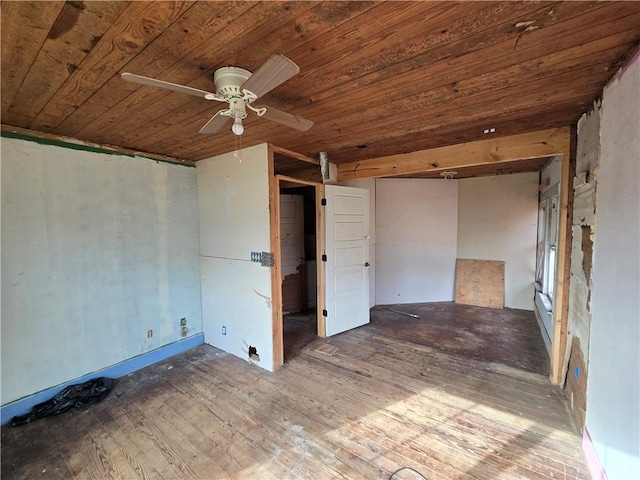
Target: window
547,242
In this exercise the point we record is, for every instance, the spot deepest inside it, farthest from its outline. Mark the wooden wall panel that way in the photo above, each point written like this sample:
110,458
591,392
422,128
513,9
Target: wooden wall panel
480,282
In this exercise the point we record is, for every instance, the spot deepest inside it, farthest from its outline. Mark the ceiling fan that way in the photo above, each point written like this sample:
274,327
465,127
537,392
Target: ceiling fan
240,88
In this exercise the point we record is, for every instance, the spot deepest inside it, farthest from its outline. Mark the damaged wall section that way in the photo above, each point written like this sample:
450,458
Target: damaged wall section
583,231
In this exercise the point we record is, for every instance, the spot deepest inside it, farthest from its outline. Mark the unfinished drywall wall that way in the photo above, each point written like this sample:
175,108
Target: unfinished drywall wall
97,250
233,201
580,281
369,184
613,390
497,220
416,240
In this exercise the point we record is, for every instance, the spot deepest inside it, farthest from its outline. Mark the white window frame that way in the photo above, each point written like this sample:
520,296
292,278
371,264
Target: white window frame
548,225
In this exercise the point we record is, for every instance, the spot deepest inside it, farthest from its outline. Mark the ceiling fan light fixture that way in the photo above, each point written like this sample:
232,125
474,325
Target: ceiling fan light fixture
237,127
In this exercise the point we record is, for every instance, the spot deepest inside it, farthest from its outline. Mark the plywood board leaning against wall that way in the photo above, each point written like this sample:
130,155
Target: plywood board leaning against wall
480,282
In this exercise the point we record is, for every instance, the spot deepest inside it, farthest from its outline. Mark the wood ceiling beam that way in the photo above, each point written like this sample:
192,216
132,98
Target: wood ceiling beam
500,150
291,154
456,134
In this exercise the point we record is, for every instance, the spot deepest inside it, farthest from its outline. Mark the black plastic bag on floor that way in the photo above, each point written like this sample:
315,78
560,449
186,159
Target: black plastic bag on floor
73,396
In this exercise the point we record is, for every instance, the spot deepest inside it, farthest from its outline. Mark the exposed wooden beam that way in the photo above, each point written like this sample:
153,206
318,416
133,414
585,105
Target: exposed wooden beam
563,268
292,154
499,150
276,274
297,181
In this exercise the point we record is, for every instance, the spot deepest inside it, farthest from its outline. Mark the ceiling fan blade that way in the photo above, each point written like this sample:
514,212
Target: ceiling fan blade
215,123
132,77
288,119
278,69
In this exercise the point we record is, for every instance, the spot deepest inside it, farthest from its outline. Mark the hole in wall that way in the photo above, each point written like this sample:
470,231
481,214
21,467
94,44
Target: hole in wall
253,354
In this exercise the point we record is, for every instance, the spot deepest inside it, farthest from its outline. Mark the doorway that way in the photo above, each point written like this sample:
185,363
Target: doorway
298,266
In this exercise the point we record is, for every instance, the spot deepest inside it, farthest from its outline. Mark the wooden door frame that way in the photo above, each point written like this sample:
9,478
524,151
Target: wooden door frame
276,270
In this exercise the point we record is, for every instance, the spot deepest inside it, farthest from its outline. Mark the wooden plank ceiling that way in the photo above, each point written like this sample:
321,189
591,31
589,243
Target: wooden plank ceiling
377,78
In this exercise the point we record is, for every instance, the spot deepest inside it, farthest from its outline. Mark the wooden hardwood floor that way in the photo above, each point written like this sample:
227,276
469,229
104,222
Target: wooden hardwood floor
459,393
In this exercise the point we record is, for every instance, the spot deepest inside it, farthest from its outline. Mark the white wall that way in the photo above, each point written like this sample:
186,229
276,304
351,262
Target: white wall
369,184
497,220
416,231
613,399
96,250
233,201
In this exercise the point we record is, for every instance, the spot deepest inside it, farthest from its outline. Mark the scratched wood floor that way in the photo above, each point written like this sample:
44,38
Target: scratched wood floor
460,393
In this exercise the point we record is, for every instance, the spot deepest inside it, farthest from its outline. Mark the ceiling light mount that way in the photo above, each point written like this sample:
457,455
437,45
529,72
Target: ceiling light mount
229,81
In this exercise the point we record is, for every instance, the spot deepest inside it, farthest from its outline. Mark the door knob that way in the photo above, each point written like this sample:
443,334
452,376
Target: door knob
366,264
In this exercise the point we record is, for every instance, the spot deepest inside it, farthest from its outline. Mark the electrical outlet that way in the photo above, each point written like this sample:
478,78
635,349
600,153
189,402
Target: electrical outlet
183,322
149,333
256,257
184,331
224,330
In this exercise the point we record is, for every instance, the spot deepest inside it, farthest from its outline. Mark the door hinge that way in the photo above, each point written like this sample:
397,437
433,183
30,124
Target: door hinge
325,313
324,258
323,202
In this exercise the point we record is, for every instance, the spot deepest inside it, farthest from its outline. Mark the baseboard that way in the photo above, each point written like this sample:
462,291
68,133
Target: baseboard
597,472
24,405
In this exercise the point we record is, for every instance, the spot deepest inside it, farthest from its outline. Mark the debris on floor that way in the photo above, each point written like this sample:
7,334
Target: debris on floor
73,396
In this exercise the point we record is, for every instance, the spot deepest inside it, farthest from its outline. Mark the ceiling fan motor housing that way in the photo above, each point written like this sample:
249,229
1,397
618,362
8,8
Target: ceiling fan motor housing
228,81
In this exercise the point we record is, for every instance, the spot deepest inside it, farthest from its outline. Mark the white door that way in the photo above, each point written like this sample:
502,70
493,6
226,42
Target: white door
292,252
347,258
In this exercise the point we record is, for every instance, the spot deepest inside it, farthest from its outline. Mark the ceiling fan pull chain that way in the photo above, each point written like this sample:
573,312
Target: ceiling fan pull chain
237,153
